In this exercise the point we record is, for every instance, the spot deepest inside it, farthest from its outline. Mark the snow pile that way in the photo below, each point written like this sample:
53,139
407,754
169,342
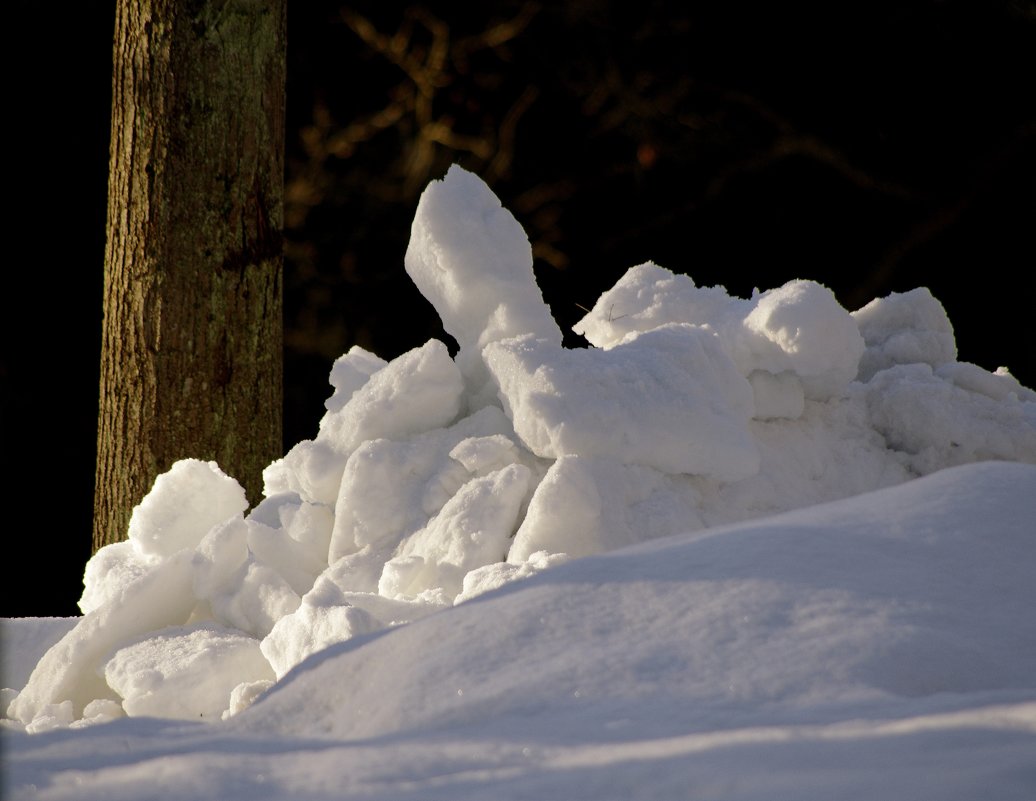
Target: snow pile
878,647
772,613
434,480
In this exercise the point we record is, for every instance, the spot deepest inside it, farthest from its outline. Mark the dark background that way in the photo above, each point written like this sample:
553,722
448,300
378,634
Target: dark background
871,147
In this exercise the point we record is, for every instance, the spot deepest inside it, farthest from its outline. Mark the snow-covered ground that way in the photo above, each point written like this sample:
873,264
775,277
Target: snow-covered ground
740,548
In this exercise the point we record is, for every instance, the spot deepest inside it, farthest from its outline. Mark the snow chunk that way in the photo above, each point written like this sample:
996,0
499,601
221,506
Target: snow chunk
329,614
798,328
111,569
307,527
471,530
586,506
241,589
801,327
312,469
670,398
72,669
904,328
297,542
185,672
244,695
415,392
482,455
50,717
936,422
471,259
323,618
390,489
100,710
648,297
182,506
418,391
359,571
998,386
491,577
350,372
832,451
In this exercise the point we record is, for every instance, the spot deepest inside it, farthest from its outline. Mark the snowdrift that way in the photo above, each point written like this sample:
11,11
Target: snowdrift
876,647
911,592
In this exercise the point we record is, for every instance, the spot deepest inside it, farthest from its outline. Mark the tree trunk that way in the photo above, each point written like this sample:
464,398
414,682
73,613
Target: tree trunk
191,362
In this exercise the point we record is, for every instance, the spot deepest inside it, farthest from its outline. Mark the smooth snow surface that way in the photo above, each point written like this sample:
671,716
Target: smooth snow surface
407,613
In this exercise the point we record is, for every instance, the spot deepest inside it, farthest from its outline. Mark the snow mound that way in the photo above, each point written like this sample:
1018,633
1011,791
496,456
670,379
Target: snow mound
913,592
432,480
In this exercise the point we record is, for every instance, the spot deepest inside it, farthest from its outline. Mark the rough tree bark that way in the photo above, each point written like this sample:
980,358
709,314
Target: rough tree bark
191,362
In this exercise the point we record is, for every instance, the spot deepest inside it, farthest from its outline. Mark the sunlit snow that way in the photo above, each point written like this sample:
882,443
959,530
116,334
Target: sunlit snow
534,571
